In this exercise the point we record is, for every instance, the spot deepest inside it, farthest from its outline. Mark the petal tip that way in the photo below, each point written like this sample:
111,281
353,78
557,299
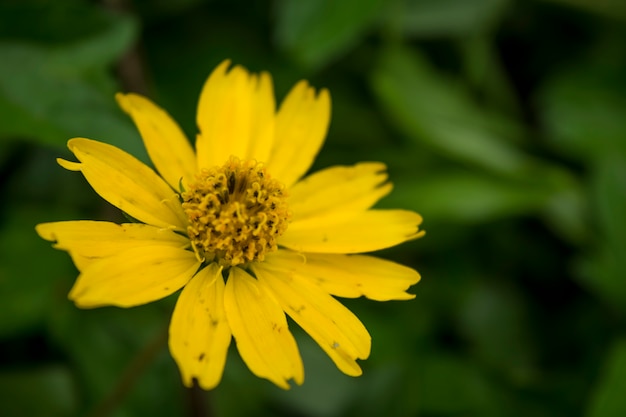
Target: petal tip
44,232
69,165
324,95
222,69
418,234
71,144
123,101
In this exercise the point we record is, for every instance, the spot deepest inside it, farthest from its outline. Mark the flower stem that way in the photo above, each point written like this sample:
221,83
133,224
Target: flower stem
198,401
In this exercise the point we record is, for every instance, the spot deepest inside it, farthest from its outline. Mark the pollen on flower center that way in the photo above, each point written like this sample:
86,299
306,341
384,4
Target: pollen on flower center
236,212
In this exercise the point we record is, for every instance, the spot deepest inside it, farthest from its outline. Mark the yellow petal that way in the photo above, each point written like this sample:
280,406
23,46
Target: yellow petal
100,239
301,126
235,116
339,188
69,165
199,332
349,276
134,277
339,332
165,142
88,241
352,232
260,330
128,184
263,121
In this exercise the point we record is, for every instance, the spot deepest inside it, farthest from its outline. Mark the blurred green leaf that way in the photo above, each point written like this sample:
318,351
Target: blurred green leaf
608,399
316,31
567,211
603,270
53,93
609,195
98,51
583,111
436,111
445,17
466,197
48,391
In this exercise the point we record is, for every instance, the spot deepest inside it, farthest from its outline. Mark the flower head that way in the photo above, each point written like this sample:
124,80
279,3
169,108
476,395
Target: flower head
234,225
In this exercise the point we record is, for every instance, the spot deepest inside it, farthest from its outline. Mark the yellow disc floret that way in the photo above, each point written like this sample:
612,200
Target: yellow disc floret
236,212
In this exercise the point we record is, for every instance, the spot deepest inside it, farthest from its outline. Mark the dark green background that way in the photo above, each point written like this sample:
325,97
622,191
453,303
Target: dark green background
502,122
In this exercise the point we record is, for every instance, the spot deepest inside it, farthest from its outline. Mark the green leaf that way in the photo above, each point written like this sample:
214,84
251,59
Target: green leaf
583,110
316,31
609,194
567,210
608,399
98,51
47,391
427,18
437,112
51,94
603,270
466,197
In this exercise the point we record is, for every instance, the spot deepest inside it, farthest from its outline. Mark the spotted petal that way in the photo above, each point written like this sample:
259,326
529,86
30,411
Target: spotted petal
260,329
349,275
199,331
338,332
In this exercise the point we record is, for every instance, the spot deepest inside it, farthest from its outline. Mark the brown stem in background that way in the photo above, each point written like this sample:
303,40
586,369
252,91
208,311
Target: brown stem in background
130,68
198,401
131,72
130,375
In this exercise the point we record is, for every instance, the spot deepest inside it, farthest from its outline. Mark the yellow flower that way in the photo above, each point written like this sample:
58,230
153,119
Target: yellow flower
234,225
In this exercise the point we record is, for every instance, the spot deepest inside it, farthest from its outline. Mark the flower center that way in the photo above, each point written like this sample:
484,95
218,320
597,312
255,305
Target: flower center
236,212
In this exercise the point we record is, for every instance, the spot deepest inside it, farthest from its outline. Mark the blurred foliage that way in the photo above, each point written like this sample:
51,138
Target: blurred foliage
502,122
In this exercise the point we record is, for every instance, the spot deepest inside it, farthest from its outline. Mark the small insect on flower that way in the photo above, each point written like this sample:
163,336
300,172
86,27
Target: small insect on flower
236,224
